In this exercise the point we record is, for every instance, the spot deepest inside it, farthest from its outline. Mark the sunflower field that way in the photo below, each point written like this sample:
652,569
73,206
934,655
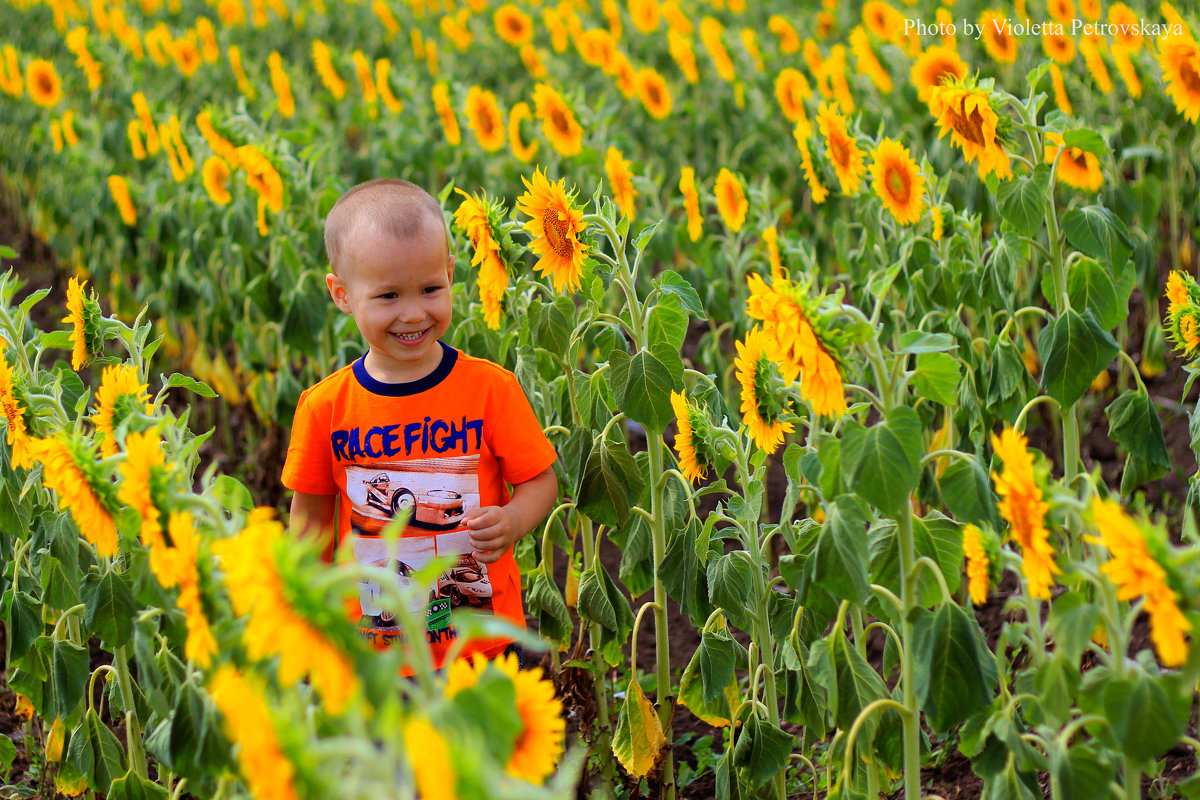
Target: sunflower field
864,333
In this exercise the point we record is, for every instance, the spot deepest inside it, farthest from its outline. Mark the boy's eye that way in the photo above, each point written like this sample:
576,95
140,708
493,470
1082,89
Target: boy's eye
432,289
388,296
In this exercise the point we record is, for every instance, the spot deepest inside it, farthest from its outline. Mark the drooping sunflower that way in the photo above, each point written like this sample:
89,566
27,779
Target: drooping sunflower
11,80
67,468
1179,57
216,174
731,200
555,224
692,442
653,92
518,114
789,39
445,111
998,39
14,416
801,133
1137,573
620,178
935,215
42,83
266,768
83,315
750,45
261,176
867,61
691,201
121,394
770,237
791,90
219,144
200,645
560,34
624,74
967,113
429,754
761,411
513,25
801,342
1076,167
541,740
898,181
1128,72
841,149
1061,99
1095,63
710,34
384,86
473,218
558,120
209,47
362,69
281,85
977,564
239,73
684,57
142,477
485,119
1022,506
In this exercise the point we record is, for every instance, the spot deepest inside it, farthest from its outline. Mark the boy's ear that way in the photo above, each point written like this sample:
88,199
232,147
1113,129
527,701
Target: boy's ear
337,291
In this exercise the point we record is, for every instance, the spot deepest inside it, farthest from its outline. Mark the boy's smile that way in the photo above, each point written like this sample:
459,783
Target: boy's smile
399,294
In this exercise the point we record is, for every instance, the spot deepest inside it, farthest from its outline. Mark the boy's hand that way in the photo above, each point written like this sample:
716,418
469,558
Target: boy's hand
493,530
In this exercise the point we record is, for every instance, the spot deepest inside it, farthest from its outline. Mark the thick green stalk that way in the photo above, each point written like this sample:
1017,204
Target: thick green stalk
603,746
661,639
911,720
133,728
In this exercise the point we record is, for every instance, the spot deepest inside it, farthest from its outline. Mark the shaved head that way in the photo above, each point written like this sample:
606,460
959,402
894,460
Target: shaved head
398,209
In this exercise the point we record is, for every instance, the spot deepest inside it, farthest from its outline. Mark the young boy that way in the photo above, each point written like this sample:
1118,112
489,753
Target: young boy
415,429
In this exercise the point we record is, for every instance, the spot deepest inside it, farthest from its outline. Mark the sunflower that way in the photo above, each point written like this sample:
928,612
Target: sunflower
262,177
1178,295
200,645
142,479
835,74
429,754
11,80
558,120
76,42
1184,330
484,117
216,180
998,39
56,139
616,166
1122,20
239,73
653,92
266,768
513,25
770,237
967,113
516,115
1076,167
121,394
207,34
645,15
935,214
692,442
281,85
1061,10
186,55
362,69
560,35
555,224
801,343
1179,57
540,742
625,74
841,149
791,90
691,202
382,67
597,48
68,128
868,62
531,57
1125,68
445,111
219,144
801,134
14,416
42,83
977,564
473,219
1025,510
683,56
761,412
710,35
731,200
789,39
1058,46
882,20
750,45
232,13
1095,64
66,468
1137,573
898,182
1060,90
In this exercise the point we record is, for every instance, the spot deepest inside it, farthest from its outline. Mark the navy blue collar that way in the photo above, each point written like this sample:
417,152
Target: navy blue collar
449,356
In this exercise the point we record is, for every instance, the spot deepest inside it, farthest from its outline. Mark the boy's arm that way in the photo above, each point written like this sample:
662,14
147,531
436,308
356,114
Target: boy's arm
312,515
494,529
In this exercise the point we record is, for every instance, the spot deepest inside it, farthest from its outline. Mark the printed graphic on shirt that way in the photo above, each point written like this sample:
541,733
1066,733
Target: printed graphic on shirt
434,495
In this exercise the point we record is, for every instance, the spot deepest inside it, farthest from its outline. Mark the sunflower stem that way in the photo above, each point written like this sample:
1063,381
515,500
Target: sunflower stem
603,746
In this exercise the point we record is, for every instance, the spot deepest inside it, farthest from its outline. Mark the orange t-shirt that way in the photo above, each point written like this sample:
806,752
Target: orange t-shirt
430,450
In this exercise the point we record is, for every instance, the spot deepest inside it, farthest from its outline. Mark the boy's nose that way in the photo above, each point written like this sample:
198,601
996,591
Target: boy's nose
412,312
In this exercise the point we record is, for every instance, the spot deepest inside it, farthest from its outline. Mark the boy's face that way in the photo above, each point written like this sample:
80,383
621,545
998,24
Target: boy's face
399,294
